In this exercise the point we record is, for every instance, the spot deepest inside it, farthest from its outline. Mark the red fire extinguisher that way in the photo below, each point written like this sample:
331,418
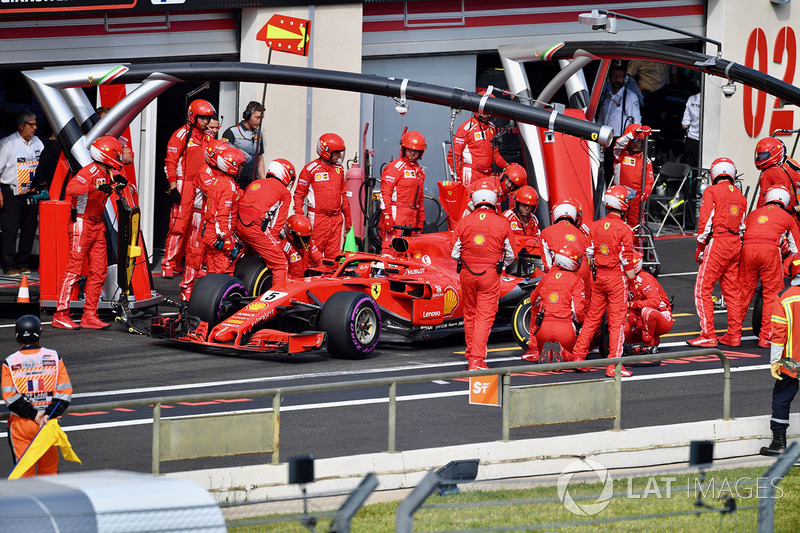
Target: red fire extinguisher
354,178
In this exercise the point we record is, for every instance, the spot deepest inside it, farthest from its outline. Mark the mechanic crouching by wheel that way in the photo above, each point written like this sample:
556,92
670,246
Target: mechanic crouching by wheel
89,189
403,189
482,249
557,304
611,250
36,387
719,246
649,309
263,211
765,229
322,188
298,248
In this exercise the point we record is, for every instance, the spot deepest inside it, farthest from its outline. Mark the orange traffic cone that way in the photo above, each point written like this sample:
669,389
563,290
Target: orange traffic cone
23,296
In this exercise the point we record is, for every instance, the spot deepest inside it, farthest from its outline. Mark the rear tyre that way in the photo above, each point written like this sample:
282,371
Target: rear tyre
521,323
254,273
215,297
352,321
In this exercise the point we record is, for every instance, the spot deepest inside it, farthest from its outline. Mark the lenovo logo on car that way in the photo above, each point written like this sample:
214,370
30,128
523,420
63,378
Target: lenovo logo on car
431,314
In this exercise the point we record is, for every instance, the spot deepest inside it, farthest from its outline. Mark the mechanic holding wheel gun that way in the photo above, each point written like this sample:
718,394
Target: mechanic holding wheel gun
403,189
482,249
263,211
219,216
89,189
322,188
784,359
611,250
557,304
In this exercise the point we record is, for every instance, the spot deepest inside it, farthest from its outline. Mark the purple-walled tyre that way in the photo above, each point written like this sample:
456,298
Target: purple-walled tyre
215,297
352,321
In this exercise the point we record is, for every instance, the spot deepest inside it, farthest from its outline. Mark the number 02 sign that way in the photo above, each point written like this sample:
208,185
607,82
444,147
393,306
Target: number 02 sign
784,52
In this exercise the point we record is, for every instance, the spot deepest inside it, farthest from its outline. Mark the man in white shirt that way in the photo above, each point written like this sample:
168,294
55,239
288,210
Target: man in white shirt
691,123
19,157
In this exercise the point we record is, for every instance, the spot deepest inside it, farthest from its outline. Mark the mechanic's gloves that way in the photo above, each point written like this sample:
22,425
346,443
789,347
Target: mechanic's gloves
698,255
175,196
120,180
348,223
643,131
775,370
105,187
387,222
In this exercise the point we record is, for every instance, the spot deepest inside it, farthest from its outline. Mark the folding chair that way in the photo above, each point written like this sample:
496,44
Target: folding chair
670,174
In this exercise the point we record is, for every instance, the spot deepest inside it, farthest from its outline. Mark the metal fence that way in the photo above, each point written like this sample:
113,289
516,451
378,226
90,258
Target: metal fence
200,436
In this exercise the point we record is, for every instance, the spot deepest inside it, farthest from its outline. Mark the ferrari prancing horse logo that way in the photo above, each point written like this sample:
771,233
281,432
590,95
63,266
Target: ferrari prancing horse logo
375,290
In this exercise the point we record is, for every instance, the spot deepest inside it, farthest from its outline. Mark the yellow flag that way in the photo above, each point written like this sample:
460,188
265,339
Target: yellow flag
50,435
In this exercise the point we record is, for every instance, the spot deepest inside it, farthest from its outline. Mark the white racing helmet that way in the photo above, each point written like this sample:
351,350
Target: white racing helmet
484,197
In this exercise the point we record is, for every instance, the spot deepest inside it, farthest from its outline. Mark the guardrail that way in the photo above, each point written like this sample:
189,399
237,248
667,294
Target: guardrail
181,437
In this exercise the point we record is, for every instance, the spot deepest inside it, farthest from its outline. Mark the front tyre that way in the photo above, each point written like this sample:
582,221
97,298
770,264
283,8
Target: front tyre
254,273
352,321
521,323
215,297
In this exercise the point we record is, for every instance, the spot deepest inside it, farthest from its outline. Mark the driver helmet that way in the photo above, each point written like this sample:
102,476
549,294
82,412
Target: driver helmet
769,151
230,161
282,169
107,150
213,148
618,197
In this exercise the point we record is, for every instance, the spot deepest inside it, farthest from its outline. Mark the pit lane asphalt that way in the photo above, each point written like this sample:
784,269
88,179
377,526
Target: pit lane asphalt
114,365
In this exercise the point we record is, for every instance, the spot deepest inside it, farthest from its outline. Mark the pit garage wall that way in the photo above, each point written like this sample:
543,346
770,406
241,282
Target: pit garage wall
295,117
760,35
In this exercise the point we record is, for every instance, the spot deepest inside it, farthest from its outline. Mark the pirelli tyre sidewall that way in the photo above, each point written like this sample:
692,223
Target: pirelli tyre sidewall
521,323
254,273
215,297
352,321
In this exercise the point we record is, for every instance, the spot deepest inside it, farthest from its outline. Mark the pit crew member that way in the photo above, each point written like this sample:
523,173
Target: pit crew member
299,249
263,211
719,245
766,229
482,249
403,188
628,161
611,250
194,247
784,356
567,227
36,387
473,152
322,189
557,304
649,310
770,159
183,163
219,216
89,189
521,217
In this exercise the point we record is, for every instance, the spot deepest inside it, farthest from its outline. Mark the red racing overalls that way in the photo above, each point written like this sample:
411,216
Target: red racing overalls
483,239
321,187
474,152
560,296
765,229
611,245
719,229
300,259
263,211
649,311
87,237
554,237
628,172
219,223
185,160
403,196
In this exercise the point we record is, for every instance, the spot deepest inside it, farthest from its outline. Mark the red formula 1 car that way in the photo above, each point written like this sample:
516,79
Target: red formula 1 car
365,298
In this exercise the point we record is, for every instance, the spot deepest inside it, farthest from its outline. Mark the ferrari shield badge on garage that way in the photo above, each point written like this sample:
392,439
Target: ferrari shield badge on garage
375,290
